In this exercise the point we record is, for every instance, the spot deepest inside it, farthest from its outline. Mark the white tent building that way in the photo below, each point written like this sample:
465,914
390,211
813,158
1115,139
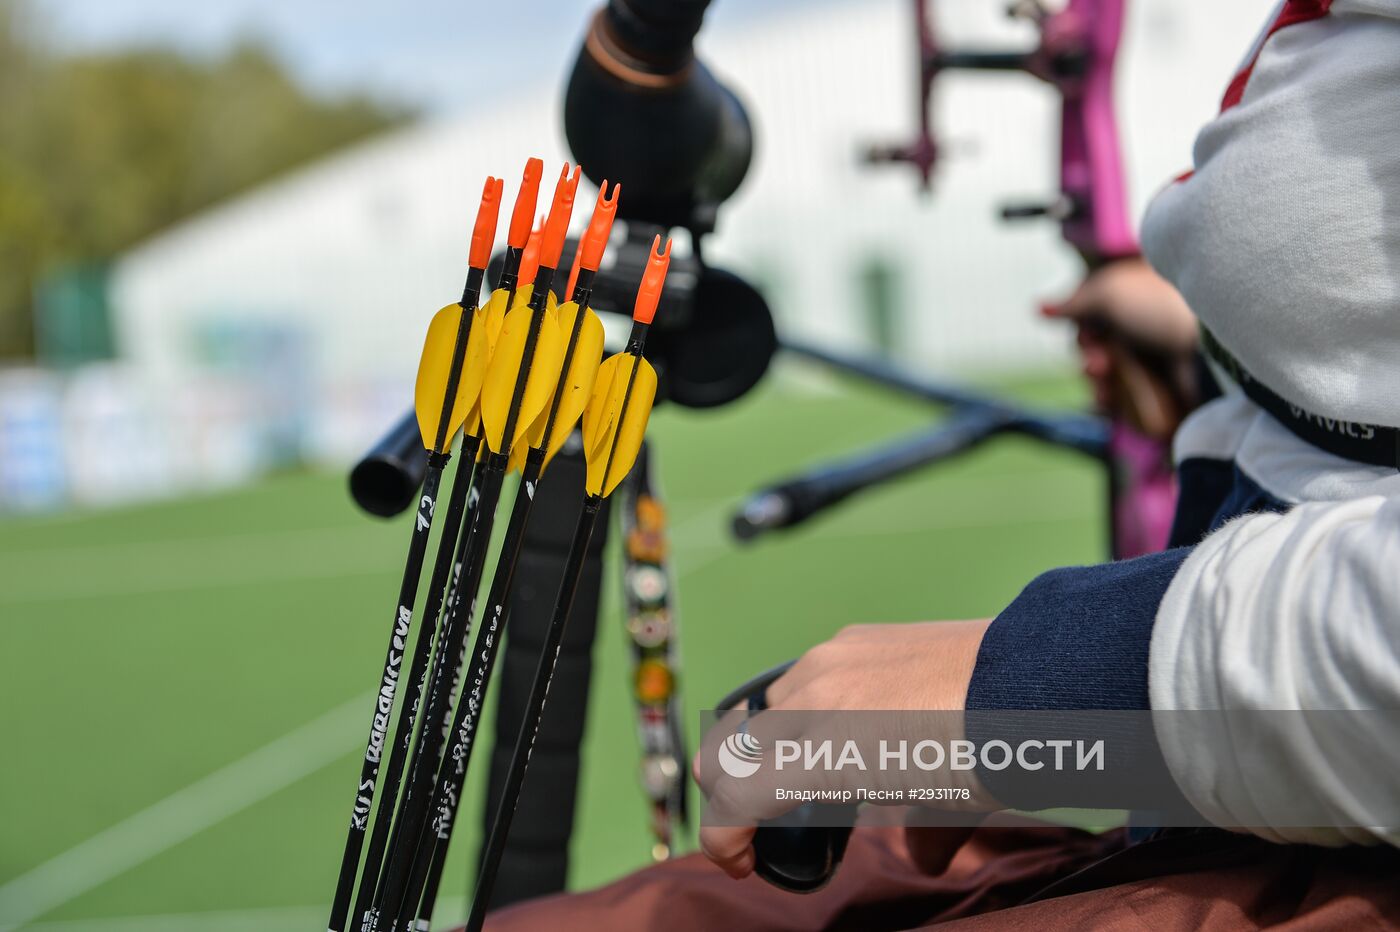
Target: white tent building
320,284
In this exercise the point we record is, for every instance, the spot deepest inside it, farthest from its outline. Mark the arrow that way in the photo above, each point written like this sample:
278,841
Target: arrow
583,353
614,424
573,386
485,325
516,388
449,380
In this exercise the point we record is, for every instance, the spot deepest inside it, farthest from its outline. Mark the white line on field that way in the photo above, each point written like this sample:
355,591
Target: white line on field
182,815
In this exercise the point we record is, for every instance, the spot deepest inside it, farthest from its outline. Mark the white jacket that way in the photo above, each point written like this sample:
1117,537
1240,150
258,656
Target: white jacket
1286,242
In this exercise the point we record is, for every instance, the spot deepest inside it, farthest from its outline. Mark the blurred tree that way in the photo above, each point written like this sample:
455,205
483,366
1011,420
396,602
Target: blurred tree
98,151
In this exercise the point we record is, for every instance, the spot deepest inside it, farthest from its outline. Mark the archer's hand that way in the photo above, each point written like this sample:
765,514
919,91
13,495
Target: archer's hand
923,666
1137,338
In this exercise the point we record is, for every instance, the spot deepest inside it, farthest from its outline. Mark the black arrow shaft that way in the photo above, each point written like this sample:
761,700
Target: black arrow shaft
447,797
428,745
408,595
422,653
549,656
391,899
534,712
447,794
444,565
384,699
471,293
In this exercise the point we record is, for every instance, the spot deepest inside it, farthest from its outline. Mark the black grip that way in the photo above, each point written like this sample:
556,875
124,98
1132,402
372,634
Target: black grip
793,853
800,858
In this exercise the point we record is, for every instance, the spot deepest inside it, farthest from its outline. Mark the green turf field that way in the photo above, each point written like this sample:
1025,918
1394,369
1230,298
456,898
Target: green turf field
187,684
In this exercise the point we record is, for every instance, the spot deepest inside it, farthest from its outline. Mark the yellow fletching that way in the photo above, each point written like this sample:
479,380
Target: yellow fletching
577,385
472,425
596,419
490,317
523,294
485,327
493,315
611,438
516,463
435,366
501,375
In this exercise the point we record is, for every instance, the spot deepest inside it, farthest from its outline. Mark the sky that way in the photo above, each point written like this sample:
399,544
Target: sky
432,54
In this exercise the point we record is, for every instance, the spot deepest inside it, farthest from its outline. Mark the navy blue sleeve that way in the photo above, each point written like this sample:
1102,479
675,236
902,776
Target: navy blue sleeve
1075,638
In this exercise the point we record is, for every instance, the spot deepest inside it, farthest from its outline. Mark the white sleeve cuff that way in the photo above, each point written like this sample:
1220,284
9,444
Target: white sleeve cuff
1293,611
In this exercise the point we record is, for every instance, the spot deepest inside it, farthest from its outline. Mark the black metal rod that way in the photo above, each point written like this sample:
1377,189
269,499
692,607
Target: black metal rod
1083,433
885,373
795,501
982,60
385,482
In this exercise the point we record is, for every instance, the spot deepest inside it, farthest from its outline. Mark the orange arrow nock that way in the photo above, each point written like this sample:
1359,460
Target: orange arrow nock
525,201
594,241
557,226
484,233
530,259
652,281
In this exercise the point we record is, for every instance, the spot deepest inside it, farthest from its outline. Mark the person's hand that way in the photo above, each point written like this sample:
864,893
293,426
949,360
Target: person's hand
1137,338
922,666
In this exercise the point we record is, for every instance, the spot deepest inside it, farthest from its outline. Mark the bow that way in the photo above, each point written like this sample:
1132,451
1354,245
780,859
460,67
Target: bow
1076,52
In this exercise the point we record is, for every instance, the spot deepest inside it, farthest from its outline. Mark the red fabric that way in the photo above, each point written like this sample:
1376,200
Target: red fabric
1033,878
1293,12
880,887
